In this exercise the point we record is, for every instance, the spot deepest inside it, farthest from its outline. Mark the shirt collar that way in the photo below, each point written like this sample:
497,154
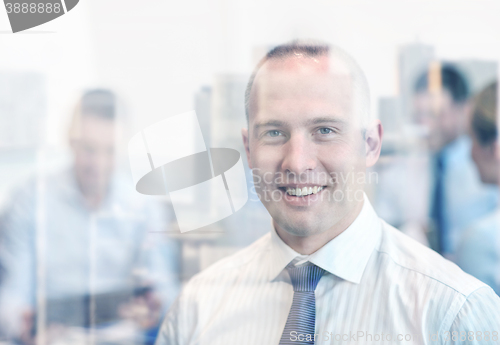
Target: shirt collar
462,143
71,190
345,256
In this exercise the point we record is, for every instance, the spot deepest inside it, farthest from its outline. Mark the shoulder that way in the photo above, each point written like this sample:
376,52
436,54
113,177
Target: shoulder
451,298
211,283
21,200
479,313
412,256
206,291
230,266
31,186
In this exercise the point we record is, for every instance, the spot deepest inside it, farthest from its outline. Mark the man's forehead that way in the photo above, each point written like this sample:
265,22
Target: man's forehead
297,62
96,128
300,78
305,64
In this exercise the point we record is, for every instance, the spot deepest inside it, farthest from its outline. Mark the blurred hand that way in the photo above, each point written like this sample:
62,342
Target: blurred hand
144,310
27,331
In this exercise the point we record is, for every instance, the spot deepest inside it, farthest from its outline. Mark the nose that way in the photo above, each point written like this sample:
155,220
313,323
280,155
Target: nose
300,155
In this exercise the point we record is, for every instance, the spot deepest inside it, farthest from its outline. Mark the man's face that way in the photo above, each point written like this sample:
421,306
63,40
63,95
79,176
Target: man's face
303,135
442,118
93,149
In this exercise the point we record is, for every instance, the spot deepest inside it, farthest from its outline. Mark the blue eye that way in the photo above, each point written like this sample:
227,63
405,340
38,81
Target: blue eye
325,130
274,133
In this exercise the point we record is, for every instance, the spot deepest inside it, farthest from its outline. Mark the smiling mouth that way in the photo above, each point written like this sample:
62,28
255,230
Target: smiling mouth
301,192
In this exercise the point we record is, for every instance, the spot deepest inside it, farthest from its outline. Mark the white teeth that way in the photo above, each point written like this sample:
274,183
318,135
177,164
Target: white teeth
304,191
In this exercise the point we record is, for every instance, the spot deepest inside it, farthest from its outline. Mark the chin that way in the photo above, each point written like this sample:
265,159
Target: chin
300,227
298,231
489,180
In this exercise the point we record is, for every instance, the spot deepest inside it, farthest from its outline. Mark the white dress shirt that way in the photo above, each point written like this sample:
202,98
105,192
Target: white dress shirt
379,284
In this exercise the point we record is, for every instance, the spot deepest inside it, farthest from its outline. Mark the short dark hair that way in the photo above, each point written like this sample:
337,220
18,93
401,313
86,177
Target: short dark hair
312,49
97,103
100,103
452,80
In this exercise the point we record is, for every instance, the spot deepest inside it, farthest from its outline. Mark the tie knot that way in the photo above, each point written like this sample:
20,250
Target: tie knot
305,278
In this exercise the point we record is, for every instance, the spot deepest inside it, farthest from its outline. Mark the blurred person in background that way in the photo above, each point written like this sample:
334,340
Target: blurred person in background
479,251
457,198
76,242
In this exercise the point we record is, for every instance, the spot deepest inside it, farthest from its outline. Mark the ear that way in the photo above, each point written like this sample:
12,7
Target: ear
467,109
246,143
373,142
496,150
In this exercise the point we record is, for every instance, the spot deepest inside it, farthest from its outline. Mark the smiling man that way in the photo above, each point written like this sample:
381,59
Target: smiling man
330,270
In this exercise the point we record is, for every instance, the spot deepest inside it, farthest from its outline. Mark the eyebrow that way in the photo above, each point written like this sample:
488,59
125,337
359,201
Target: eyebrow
314,121
270,123
320,120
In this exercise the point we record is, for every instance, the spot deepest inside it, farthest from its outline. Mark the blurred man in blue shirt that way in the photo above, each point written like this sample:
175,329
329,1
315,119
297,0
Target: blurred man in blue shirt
457,197
78,248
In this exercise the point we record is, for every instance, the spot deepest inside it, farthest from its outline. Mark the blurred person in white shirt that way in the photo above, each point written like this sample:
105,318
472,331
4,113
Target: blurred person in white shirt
79,241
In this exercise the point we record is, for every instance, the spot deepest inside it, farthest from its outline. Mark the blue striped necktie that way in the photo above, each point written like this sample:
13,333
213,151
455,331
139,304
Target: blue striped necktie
302,316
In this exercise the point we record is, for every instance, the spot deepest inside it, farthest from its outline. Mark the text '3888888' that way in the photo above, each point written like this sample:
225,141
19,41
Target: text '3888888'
26,14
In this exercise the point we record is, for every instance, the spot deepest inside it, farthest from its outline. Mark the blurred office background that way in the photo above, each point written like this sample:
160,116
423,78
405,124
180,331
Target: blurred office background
152,59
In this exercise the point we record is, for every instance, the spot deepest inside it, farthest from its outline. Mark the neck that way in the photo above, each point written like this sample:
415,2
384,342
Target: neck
307,245
93,201
92,198
450,141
